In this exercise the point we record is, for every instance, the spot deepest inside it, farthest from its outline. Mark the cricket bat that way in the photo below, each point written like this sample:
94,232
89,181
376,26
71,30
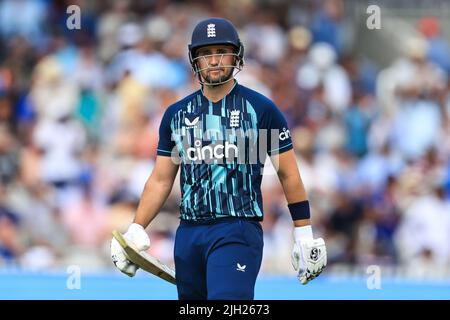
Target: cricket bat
145,261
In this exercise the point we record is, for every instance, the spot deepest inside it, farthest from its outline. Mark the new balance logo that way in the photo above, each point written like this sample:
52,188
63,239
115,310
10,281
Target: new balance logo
211,30
241,268
234,119
191,124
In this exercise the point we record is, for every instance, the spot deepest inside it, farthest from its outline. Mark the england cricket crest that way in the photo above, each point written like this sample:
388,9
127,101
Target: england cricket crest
234,118
211,30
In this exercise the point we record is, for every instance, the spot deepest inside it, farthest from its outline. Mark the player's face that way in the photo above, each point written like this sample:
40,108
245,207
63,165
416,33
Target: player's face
216,63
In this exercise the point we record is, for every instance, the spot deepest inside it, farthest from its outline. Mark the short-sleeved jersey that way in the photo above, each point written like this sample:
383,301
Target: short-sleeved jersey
221,148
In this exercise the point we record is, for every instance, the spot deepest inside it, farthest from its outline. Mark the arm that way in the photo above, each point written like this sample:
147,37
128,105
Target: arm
156,190
291,181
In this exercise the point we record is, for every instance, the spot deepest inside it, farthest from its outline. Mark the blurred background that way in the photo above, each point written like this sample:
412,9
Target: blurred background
369,111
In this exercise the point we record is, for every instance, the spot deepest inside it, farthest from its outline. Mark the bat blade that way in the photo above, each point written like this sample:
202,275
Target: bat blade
145,261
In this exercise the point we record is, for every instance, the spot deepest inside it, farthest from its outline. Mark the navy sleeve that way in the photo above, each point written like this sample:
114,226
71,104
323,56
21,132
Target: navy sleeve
279,136
166,143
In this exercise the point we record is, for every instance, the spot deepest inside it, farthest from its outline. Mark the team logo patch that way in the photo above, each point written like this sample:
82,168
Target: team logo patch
211,30
234,119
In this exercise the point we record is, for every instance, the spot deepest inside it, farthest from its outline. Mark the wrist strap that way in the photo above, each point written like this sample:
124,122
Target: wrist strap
299,210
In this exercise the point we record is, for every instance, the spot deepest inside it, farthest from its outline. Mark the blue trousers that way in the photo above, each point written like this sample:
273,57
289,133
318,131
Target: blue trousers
218,260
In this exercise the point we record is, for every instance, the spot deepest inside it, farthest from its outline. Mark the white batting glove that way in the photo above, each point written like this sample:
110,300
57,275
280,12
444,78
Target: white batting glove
137,235
309,256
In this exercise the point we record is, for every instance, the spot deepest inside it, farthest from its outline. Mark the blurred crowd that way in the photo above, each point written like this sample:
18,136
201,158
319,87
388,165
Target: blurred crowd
80,111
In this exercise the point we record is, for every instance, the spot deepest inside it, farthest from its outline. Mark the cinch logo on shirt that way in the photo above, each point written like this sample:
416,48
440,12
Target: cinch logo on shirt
285,134
211,152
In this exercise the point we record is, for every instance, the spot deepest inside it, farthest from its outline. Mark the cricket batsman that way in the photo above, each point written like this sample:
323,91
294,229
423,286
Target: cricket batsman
220,136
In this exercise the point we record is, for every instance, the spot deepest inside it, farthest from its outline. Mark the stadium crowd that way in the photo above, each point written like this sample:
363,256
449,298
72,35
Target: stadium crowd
80,111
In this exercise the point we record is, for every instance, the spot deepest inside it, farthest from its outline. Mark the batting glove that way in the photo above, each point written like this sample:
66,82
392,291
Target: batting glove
309,256
137,235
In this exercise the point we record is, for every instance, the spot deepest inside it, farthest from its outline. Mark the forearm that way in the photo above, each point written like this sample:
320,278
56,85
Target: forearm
293,188
153,197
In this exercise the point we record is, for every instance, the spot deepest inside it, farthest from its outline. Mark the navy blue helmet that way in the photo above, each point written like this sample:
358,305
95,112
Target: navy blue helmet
215,31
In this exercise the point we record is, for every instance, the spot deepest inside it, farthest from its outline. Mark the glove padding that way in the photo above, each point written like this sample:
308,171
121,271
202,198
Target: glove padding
137,235
309,258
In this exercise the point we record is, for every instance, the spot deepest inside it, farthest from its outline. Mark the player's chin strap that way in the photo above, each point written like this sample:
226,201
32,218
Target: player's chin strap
237,67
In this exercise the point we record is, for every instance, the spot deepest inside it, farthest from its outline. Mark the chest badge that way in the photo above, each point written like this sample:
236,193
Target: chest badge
234,118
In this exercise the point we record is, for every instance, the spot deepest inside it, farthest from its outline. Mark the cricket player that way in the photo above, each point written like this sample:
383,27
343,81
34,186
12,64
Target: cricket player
220,136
